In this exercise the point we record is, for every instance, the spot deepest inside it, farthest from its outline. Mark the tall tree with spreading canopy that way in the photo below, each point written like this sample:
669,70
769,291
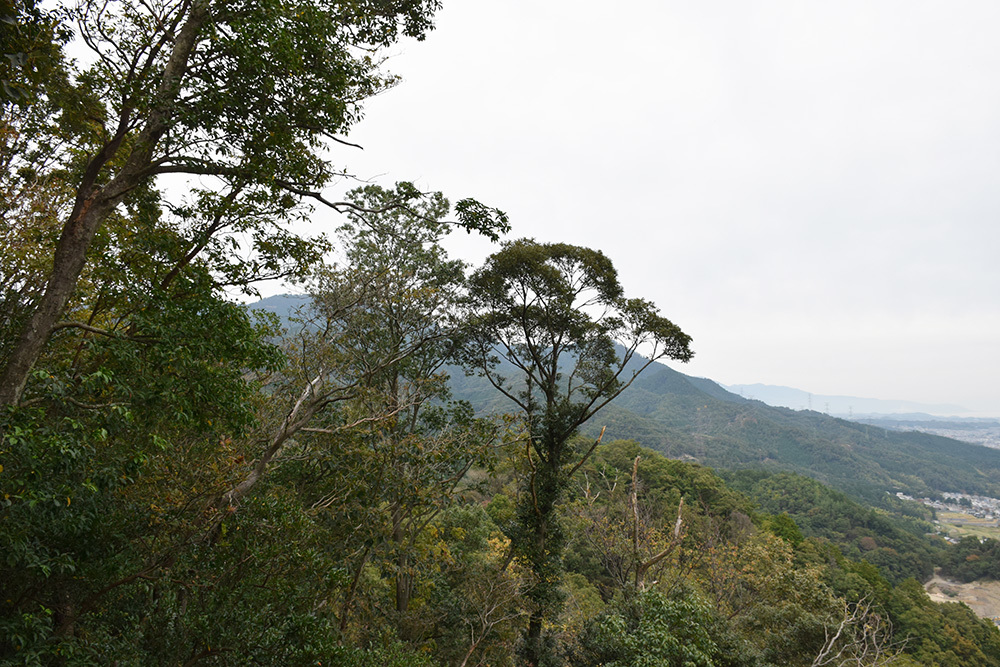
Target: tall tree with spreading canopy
127,377
380,329
556,314
245,97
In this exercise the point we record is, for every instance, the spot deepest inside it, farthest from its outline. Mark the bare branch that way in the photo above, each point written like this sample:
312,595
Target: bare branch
589,452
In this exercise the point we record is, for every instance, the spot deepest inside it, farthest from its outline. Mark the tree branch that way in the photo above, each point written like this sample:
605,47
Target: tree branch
589,452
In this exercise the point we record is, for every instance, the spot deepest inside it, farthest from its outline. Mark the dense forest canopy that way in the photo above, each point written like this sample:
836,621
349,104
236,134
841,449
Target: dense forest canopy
186,482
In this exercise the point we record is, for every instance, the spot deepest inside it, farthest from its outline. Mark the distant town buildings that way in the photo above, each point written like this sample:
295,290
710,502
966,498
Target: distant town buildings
985,433
983,508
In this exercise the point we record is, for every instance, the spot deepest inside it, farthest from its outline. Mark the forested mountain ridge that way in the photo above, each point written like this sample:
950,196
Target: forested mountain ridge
184,483
697,419
726,431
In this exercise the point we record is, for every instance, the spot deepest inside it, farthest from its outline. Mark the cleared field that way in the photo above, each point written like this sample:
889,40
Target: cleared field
983,597
959,524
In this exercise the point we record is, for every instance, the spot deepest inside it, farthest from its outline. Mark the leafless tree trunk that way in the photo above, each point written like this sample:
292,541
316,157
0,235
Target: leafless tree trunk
627,533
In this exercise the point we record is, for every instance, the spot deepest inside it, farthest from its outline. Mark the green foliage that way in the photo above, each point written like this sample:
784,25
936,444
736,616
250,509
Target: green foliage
784,527
380,329
178,488
666,480
695,419
394,654
899,546
93,468
685,417
651,630
30,50
972,559
555,313
943,634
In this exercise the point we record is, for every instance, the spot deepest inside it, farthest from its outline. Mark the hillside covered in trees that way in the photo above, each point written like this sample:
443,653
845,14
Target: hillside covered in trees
695,419
185,481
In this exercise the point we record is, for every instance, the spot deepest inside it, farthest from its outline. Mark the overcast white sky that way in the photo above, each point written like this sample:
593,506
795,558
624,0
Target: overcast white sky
809,189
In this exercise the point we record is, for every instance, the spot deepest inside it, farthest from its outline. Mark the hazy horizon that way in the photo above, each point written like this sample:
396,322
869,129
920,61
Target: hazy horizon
810,190
797,398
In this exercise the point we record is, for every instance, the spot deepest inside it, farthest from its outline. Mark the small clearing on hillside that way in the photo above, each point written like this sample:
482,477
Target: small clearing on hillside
983,597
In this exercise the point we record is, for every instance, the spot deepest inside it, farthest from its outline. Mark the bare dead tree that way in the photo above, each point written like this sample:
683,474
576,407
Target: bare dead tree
862,638
630,534
492,600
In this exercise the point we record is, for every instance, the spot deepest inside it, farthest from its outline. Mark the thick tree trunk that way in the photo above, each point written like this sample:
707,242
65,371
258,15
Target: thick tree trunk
64,618
345,610
92,206
70,257
468,654
546,553
404,580
533,643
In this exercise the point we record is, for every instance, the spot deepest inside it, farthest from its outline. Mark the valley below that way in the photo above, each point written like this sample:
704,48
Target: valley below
985,432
